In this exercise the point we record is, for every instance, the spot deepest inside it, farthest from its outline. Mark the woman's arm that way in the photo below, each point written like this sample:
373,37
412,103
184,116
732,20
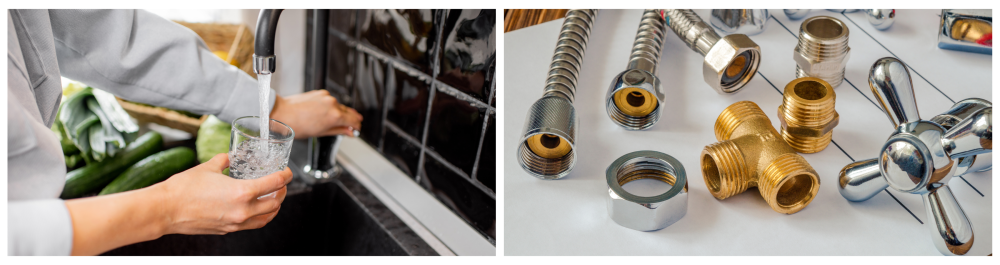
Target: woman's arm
198,201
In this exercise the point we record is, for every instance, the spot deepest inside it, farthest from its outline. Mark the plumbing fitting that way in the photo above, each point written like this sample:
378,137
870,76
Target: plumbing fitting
739,21
796,14
920,156
807,114
730,61
634,97
822,51
861,180
646,213
844,10
547,146
881,19
751,153
969,30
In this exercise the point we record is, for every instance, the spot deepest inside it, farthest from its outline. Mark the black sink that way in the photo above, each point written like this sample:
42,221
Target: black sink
337,217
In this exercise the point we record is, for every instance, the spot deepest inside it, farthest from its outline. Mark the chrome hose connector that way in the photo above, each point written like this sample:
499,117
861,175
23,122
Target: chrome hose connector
646,213
742,21
634,97
547,146
730,61
822,51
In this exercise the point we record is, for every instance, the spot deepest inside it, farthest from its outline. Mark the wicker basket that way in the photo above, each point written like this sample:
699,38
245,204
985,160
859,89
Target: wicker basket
236,40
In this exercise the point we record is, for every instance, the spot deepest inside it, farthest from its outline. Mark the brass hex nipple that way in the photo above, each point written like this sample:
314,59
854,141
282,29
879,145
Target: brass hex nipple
807,114
750,153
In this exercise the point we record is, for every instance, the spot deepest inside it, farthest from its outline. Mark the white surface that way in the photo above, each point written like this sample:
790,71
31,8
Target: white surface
412,203
568,216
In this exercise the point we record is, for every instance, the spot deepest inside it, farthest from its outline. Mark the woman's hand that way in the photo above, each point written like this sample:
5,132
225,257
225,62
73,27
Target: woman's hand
202,200
315,113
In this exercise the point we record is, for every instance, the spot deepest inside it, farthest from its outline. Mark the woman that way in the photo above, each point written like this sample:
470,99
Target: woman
140,57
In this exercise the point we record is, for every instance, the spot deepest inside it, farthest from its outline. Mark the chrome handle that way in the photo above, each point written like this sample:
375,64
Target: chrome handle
860,181
890,82
951,229
972,136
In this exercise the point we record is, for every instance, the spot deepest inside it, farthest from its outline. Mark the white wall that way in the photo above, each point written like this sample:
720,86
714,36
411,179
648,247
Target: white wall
289,49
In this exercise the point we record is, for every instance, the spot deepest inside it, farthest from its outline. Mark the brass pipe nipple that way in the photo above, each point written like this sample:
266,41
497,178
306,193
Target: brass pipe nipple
750,153
807,114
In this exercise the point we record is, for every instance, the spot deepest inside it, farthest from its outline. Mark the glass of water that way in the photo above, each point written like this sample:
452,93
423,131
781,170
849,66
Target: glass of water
253,154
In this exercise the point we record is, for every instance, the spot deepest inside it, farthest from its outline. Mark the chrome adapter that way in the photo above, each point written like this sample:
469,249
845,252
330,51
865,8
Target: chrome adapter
730,61
634,97
822,51
739,21
547,146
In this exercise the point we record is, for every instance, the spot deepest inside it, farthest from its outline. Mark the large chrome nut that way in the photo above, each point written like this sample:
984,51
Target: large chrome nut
646,213
725,70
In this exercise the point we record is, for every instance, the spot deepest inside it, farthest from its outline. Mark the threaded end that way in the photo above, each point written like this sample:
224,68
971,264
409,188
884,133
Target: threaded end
788,184
807,113
645,170
631,122
823,40
545,168
734,115
725,172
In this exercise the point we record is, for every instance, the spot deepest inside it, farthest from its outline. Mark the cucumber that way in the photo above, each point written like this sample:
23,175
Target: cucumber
151,170
95,176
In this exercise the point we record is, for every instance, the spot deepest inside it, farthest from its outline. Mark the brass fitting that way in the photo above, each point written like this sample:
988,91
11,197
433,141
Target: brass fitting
807,114
750,153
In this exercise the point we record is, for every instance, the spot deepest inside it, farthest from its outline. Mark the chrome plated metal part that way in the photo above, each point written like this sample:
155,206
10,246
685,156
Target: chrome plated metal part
969,30
547,149
634,98
646,213
881,19
796,14
739,21
921,157
263,65
844,10
958,112
730,61
822,51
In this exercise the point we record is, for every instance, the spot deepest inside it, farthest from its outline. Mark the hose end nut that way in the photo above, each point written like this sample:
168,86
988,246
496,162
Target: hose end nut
634,98
548,144
807,114
731,63
647,213
822,51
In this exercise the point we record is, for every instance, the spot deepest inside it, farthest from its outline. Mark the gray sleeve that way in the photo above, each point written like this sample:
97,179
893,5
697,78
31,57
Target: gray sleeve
26,237
142,57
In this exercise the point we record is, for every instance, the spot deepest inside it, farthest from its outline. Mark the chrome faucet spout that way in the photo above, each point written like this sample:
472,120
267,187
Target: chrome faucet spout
263,53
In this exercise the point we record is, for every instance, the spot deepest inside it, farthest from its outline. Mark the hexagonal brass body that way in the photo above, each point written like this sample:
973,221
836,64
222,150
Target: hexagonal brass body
807,114
751,153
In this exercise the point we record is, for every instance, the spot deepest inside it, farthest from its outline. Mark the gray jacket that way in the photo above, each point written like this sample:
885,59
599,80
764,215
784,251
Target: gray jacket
133,54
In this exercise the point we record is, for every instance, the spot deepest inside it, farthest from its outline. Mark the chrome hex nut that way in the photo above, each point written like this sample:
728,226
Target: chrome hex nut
646,213
731,63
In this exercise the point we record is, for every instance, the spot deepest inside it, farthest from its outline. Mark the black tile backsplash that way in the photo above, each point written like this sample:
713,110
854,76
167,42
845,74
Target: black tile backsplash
454,130
408,34
467,51
424,81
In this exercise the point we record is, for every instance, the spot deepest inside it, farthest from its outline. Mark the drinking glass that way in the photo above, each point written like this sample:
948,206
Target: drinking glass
251,156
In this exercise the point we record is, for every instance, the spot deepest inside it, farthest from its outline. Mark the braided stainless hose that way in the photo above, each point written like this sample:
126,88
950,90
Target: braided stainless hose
547,146
634,97
730,61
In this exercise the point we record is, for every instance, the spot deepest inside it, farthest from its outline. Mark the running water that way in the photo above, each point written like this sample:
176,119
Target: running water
264,87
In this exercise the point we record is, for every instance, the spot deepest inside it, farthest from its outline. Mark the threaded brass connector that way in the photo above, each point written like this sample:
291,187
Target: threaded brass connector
807,114
750,153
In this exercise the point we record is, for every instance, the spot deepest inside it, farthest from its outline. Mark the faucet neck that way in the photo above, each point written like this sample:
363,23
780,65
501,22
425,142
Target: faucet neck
267,24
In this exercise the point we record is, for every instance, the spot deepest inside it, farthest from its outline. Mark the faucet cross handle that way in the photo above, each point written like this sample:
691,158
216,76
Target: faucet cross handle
890,82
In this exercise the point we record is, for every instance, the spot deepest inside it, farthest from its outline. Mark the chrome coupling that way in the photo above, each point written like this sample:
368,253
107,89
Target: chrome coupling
547,145
920,156
730,61
635,95
646,213
796,14
263,65
969,30
822,51
881,19
739,21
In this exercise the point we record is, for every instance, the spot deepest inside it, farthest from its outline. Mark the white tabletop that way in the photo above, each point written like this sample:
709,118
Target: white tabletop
569,216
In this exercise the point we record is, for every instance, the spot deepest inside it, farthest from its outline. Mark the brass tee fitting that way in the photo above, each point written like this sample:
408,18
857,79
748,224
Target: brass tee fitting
807,114
750,153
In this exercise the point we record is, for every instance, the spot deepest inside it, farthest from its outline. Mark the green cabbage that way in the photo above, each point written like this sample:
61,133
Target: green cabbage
213,138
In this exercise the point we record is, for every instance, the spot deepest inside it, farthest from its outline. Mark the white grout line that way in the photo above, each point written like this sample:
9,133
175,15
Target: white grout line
445,231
